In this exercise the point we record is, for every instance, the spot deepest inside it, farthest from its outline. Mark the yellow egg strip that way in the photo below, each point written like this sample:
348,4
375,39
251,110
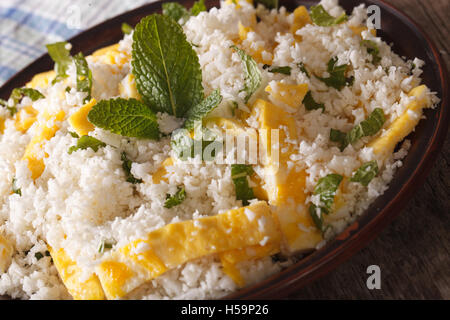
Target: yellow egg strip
71,275
79,120
6,253
42,134
301,19
385,144
285,184
178,243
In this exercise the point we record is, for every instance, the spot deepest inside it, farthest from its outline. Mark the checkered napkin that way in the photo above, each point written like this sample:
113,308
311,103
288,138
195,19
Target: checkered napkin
26,26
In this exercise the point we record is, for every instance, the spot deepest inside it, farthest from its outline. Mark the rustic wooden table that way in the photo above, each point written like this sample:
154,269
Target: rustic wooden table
413,253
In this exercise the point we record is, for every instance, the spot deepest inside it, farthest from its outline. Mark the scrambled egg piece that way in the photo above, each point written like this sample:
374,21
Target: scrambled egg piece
71,274
43,133
403,125
231,259
290,95
41,80
357,30
127,88
111,55
285,182
160,174
301,19
257,53
25,119
236,2
6,252
2,125
79,120
178,243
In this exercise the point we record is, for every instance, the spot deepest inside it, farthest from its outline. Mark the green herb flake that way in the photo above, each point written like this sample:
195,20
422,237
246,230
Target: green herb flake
125,117
239,174
126,28
366,173
86,142
373,50
74,134
283,70
38,255
368,127
84,76
175,10
201,110
16,96
326,187
176,199
322,18
311,104
252,73
269,4
15,188
126,165
316,215
104,245
166,67
337,78
199,6
61,57
303,69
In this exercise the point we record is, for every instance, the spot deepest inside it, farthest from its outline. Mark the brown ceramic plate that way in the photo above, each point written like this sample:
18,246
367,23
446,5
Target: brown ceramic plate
409,41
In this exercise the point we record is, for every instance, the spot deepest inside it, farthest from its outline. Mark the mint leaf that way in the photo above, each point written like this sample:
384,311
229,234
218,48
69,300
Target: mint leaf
16,96
201,110
326,187
269,4
322,18
283,70
84,76
61,57
252,73
129,118
311,104
198,7
365,173
18,93
86,142
316,215
303,69
166,68
174,10
365,128
373,50
239,173
126,28
176,199
337,78
126,165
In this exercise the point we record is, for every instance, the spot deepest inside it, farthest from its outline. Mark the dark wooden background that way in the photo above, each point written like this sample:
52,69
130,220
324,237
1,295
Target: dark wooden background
414,251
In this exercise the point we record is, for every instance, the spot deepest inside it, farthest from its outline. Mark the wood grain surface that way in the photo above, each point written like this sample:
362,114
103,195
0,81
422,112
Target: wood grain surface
413,253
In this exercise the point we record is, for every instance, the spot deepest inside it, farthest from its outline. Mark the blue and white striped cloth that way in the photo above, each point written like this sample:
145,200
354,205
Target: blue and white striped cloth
26,26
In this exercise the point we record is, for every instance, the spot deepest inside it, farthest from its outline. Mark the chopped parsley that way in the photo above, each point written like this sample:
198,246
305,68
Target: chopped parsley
365,128
176,199
337,78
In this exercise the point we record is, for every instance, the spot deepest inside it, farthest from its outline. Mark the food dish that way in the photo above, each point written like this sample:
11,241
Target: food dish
274,107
